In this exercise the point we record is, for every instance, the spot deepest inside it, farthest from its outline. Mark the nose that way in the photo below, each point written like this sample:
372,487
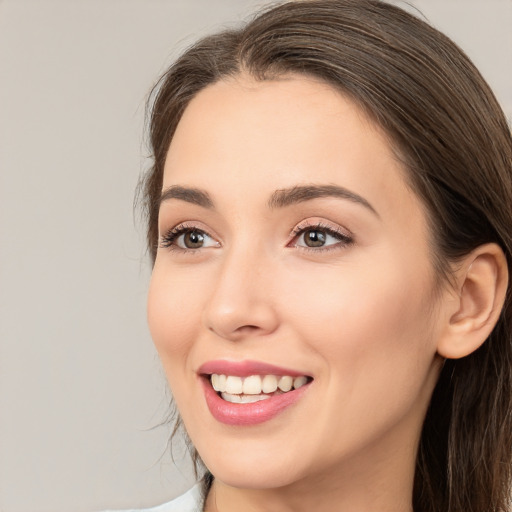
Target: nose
241,304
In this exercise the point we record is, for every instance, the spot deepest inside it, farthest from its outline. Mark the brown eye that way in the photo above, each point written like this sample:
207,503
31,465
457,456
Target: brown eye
314,238
321,238
193,239
187,239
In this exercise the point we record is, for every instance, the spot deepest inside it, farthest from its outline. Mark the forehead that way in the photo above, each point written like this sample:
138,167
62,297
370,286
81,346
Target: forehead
258,135
279,113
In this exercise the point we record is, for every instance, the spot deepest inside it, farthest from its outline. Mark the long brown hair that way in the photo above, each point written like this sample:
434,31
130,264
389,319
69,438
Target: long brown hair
446,126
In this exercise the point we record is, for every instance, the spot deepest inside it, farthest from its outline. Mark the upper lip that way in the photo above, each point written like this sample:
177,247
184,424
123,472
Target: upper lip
245,368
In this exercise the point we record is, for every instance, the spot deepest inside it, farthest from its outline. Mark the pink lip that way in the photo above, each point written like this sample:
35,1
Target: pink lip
249,414
245,368
252,413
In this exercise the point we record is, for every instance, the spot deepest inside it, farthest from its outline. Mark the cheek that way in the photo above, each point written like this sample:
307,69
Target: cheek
370,333
173,309
174,313
367,318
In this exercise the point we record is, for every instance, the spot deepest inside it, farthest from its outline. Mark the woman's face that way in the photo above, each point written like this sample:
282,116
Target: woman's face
291,246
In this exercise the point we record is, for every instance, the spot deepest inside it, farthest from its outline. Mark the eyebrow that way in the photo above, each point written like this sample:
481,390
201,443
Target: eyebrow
300,193
190,195
279,199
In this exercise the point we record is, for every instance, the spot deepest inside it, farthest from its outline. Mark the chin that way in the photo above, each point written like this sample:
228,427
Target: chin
248,476
256,465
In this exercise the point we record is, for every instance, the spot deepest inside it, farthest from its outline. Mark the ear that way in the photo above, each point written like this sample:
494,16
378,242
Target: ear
480,290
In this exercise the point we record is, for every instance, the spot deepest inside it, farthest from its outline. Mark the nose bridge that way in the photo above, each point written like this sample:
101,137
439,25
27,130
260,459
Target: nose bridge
240,302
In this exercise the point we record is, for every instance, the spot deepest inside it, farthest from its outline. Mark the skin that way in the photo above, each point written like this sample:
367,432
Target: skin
363,318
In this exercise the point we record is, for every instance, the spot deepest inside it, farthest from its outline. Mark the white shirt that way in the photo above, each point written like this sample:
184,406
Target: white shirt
188,502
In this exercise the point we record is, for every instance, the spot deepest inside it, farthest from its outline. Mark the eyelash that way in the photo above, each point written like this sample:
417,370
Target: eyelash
344,239
168,240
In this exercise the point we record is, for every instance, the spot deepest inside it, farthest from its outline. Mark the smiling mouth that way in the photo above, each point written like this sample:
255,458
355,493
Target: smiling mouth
254,388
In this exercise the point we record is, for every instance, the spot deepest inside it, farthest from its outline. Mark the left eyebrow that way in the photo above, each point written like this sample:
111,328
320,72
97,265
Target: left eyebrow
300,193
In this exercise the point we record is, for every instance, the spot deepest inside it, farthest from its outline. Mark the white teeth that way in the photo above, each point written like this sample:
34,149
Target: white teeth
269,384
285,383
234,385
254,385
234,399
243,399
298,382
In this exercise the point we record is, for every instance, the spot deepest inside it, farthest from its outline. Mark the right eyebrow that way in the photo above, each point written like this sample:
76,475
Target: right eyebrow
190,195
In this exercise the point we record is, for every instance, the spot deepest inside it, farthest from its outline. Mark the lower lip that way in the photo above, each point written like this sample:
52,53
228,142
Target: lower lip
252,413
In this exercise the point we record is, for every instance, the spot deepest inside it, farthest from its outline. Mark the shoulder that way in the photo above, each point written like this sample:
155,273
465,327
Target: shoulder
188,502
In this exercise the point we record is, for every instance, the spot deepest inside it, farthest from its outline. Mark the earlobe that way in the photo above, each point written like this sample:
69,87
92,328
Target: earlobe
481,286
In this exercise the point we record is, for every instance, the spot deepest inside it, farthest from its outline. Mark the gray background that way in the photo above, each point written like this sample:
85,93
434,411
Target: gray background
80,383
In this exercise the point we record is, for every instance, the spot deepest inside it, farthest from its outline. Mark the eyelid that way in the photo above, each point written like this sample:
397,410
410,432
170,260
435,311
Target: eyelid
343,235
320,223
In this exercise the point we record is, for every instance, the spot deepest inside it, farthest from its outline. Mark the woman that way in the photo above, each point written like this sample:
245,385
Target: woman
330,225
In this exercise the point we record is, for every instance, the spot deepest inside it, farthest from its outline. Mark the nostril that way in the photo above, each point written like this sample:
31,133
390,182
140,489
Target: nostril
244,328
239,332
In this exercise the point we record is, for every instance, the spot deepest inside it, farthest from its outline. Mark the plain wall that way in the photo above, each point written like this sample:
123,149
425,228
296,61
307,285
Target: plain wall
80,382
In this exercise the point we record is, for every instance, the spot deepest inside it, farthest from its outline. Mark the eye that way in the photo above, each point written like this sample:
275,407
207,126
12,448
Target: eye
191,240
320,237
315,238
187,238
